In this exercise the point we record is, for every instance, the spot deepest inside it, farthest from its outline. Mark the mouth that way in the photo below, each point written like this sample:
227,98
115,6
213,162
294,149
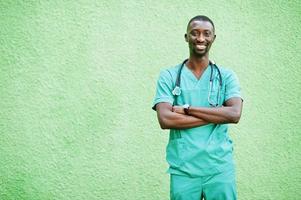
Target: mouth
200,46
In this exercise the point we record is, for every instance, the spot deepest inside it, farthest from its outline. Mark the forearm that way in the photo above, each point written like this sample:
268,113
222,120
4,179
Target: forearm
219,115
172,120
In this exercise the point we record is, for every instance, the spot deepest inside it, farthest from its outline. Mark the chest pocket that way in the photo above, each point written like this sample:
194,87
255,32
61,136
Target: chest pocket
216,94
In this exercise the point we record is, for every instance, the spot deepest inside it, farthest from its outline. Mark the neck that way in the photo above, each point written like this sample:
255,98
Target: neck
198,63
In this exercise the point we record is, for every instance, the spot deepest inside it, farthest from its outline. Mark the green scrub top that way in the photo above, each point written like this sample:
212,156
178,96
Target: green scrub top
203,150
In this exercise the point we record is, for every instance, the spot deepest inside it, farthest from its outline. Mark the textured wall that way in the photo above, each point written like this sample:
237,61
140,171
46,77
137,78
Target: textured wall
77,81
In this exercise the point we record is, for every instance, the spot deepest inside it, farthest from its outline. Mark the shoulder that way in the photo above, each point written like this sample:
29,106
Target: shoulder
170,72
226,72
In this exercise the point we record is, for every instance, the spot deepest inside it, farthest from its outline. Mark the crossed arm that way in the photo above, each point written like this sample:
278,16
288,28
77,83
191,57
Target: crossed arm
173,117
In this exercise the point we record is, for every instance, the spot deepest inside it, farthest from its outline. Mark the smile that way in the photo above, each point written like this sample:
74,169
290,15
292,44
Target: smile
200,46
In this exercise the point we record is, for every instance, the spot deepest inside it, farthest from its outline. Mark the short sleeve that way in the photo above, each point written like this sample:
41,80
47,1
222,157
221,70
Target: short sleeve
164,89
232,86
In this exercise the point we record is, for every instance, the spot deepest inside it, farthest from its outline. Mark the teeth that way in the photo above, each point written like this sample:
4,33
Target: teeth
201,46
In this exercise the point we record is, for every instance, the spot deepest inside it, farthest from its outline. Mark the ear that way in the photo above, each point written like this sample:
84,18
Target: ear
214,37
186,37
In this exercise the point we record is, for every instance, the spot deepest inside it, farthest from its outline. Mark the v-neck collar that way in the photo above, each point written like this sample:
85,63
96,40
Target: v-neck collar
193,77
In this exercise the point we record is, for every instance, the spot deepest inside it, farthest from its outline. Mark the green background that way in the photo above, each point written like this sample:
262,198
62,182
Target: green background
77,82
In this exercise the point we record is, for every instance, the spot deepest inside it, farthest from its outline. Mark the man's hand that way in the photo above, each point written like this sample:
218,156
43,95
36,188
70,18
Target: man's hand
178,109
229,113
173,120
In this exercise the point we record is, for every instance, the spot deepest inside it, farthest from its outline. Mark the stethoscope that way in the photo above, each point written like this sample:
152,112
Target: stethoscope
177,90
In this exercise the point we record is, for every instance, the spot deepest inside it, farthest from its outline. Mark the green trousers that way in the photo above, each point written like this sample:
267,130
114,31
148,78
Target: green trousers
220,186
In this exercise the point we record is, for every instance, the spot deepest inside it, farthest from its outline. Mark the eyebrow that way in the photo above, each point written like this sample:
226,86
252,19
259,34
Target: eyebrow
196,29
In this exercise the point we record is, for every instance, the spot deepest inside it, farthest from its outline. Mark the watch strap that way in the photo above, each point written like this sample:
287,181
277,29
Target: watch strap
186,110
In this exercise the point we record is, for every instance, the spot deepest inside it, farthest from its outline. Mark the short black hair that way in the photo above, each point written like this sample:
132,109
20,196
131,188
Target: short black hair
201,18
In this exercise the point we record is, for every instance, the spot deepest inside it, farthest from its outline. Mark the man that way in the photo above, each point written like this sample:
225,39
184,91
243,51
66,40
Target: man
196,100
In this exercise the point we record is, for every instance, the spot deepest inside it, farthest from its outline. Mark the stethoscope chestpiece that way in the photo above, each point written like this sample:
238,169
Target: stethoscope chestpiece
176,91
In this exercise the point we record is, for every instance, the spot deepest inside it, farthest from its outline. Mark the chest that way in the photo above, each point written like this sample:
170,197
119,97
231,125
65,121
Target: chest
201,92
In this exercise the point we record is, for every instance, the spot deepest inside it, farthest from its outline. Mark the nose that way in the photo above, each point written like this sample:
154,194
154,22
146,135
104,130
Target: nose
201,37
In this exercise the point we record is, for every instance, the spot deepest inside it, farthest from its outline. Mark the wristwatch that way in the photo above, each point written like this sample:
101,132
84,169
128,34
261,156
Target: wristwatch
186,108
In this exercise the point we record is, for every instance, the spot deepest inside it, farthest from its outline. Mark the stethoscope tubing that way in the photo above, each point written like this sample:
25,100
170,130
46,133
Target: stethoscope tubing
212,64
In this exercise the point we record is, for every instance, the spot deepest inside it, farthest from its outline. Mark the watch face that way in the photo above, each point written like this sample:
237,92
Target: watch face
186,109
186,106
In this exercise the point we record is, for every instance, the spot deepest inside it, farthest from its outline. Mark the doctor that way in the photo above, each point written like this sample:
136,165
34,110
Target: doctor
196,100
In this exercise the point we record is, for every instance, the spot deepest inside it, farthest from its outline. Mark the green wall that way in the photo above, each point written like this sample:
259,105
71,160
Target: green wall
78,78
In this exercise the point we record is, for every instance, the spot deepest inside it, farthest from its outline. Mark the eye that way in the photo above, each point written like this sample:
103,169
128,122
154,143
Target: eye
194,33
207,33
